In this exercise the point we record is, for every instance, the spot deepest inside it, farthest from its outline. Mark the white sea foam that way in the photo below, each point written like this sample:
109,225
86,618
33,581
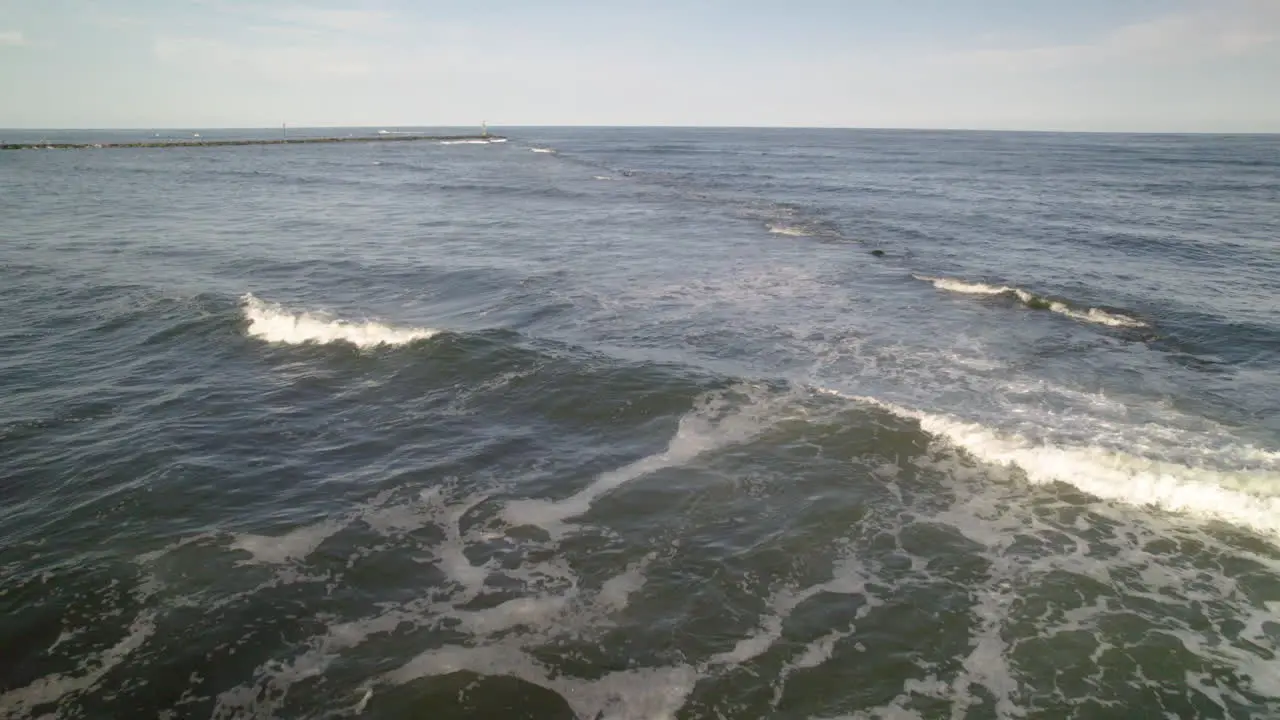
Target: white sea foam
542,150
292,546
521,637
274,323
452,553
534,612
848,577
788,230
718,419
1144,559
92,668
960,286
988,661
1043,410
616,592
553,604
601,177
1247,498
817,652
1089,315
518,638
640,694
1094,315
467,142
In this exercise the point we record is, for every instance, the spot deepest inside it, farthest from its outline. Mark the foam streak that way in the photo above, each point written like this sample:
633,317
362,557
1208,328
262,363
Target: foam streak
713,423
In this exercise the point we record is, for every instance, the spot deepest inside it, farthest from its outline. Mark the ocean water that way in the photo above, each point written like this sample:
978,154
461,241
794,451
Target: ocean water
642,423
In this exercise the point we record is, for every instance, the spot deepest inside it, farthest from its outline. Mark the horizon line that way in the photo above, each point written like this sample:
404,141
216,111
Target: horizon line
886,128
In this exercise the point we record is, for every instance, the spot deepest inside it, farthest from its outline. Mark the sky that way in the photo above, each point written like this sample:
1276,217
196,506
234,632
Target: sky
1094,65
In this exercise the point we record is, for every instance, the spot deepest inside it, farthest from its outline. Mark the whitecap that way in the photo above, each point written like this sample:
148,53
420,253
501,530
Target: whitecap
274,323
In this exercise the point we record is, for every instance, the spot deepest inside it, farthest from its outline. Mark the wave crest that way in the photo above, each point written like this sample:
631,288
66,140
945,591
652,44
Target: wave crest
779,229
276,324
1245,498
1035,302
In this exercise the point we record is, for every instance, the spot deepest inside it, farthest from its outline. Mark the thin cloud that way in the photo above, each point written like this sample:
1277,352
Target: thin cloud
338,20
259,61
12,38
117,22
1206,31
291,63
1209,31
283,33
266,18
299,16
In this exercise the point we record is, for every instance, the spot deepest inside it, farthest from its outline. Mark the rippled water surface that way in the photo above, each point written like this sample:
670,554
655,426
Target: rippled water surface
642,424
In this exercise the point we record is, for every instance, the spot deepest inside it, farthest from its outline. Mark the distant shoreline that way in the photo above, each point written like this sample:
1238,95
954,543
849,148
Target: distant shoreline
221,143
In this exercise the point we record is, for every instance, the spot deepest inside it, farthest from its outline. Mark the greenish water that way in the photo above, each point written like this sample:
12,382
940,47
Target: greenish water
639,427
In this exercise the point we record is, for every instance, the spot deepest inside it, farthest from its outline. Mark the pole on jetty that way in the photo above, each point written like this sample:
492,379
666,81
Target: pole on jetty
284,132
484,129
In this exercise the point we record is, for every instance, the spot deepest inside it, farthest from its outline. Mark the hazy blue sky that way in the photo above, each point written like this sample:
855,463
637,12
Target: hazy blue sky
1199,65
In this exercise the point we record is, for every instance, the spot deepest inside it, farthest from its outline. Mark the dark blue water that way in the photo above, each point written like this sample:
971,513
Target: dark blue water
641,424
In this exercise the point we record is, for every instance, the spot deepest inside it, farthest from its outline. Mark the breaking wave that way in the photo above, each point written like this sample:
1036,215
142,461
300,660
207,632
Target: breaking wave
788,230
1035,302
276,324
1246,498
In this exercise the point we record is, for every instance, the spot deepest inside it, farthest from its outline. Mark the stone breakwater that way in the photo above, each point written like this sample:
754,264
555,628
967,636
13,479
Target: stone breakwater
221,143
